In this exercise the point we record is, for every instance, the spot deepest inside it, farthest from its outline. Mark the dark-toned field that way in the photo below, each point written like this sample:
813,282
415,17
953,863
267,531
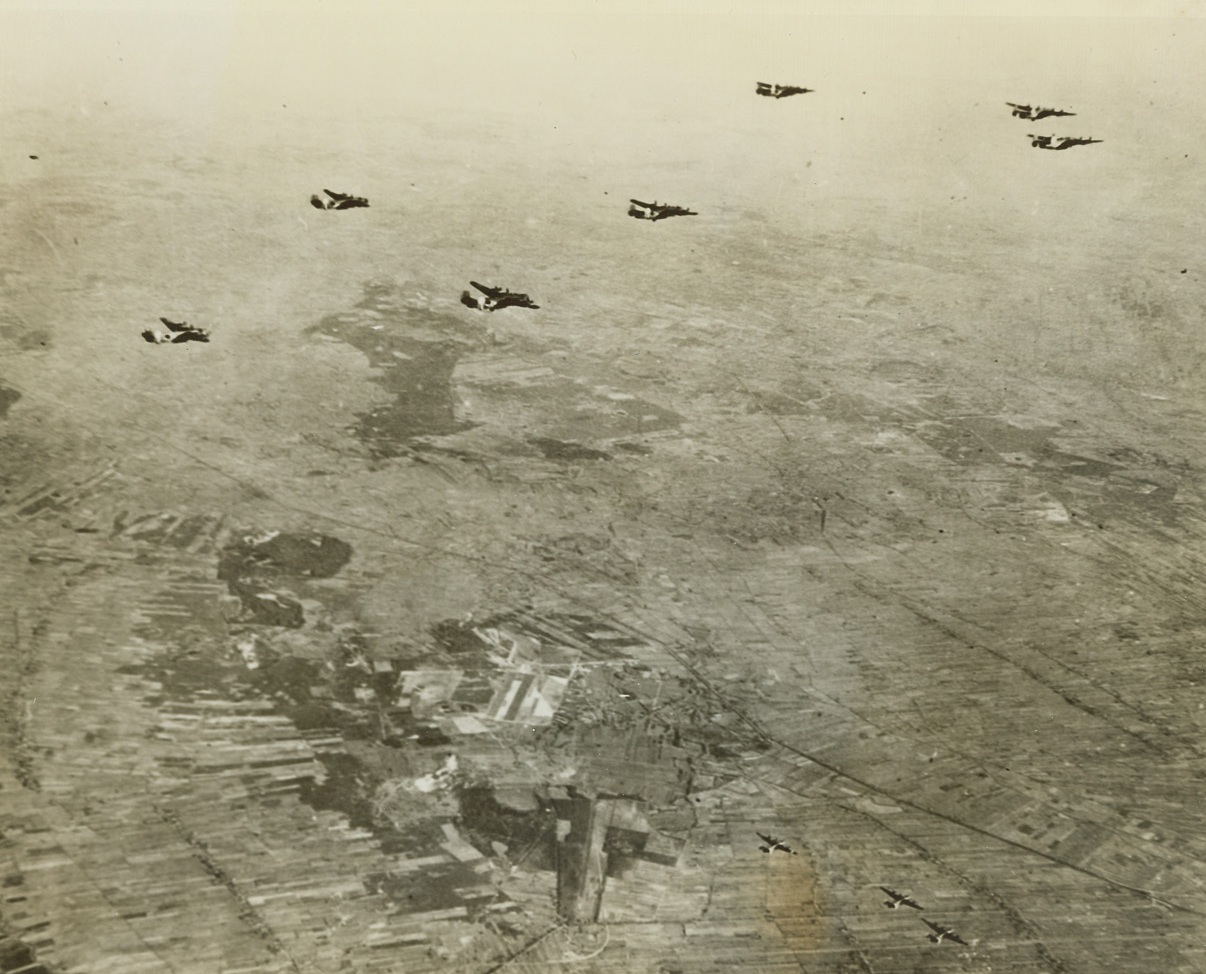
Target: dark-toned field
863,510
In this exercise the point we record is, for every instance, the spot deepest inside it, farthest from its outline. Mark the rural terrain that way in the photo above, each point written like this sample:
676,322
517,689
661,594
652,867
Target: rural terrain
381,634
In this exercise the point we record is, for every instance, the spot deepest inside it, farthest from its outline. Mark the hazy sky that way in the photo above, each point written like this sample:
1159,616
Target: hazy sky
906,140
909,101
581,59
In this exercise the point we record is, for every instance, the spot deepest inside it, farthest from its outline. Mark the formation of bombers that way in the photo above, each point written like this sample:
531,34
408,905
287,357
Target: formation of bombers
1053,142
492,298
938,933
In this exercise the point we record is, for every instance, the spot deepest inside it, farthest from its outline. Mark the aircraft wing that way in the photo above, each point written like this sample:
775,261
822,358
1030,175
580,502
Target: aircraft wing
956,938
175,325
338,196
935,927
512,300
648,206
490,292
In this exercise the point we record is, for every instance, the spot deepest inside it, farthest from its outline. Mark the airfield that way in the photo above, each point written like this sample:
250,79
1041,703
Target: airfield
863,510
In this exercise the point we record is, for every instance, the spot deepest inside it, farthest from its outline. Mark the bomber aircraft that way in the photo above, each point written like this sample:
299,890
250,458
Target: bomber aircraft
1064,141
780,91
1036,112
184,332
338,201
656,211
943,933
495,298
899,899
178,331
775,845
